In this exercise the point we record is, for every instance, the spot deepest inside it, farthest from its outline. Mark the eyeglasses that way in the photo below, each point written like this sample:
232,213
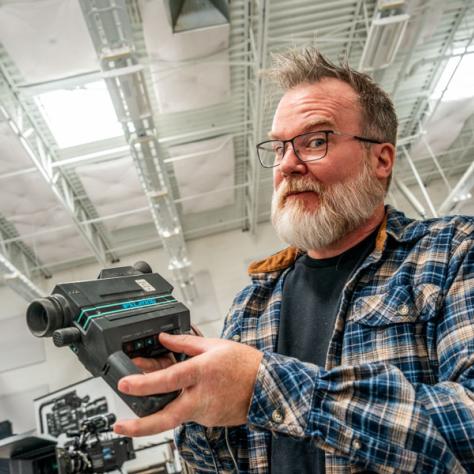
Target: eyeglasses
310,146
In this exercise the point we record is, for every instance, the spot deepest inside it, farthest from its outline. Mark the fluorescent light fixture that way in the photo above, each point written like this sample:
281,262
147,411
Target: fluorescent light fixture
383,41
81,115
460,85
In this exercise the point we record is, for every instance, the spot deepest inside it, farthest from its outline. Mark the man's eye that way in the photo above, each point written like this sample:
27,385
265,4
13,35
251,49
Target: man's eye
277,147
316,143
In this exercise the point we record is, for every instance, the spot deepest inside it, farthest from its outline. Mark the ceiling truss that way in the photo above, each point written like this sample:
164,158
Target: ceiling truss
258,28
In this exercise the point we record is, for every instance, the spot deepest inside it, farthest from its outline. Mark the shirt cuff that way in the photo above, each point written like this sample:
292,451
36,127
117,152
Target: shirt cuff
283,395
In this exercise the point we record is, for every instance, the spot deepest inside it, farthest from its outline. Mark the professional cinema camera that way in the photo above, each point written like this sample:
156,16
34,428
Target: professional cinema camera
108,321
90,451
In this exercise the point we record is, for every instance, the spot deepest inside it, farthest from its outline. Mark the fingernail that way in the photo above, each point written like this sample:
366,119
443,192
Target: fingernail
124,386
118,428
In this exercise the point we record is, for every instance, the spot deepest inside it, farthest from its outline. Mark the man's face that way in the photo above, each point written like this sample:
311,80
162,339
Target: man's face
317,203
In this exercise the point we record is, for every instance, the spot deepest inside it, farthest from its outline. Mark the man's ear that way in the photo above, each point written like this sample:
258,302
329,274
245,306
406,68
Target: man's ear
383,158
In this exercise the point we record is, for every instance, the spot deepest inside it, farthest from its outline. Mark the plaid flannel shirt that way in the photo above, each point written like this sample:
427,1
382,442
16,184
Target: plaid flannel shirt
397,391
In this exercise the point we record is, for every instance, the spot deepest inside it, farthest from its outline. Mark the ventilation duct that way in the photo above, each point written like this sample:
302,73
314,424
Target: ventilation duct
187,42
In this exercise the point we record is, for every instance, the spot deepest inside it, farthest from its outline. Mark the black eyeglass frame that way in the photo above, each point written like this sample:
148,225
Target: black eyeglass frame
291,140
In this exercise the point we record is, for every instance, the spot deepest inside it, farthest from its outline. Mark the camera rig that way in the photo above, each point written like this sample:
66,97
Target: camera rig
68,411
108,321
89,452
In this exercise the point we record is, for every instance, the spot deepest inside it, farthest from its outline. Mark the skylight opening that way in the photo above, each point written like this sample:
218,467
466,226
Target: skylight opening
461,85
81,115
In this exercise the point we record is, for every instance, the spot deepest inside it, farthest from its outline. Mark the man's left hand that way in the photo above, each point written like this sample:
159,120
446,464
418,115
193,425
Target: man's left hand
216,385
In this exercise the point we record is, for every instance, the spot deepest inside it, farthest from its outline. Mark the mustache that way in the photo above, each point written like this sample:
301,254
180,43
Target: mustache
299,185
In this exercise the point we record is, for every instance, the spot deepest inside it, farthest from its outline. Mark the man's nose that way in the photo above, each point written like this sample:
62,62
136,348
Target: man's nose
290,163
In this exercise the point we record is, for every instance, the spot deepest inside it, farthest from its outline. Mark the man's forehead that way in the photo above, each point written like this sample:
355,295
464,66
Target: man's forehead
324,103
318,123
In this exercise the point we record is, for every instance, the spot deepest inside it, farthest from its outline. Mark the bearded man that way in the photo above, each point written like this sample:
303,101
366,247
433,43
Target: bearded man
353,349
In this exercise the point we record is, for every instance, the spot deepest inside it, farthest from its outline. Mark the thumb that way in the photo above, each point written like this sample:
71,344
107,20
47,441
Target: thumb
190,345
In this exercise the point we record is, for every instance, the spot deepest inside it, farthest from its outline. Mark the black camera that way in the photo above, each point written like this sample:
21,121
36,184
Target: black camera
89,452
108,321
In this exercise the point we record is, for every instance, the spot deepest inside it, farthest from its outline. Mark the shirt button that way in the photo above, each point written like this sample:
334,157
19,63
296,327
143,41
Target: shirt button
207,452
403,309
277,416
357,444
236,337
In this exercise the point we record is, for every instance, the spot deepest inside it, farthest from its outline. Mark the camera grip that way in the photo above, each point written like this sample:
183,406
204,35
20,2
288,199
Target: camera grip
120,365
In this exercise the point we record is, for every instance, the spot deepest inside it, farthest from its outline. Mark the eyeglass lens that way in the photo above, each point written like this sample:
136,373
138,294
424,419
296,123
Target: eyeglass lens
308,147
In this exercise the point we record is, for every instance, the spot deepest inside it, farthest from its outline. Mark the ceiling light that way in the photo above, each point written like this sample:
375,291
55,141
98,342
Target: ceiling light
81,115
456,77
383,41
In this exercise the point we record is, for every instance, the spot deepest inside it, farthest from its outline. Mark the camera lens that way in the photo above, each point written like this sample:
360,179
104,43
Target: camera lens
45,315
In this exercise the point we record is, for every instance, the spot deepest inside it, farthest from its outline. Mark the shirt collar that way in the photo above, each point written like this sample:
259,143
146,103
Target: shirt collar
395,224
402,228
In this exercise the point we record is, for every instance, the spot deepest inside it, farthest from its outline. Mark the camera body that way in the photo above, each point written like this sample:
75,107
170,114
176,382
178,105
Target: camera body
108,321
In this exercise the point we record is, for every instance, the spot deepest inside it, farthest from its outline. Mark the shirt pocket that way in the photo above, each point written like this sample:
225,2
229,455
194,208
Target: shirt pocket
401,304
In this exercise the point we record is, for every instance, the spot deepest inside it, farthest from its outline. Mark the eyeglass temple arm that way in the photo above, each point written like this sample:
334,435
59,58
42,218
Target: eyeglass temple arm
363,139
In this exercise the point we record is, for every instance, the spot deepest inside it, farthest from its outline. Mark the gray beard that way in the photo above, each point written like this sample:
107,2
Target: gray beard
343,207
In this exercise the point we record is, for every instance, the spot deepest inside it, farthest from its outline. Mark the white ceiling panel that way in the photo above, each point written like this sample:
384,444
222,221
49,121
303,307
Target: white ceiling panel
182,86
114,187
29,204
47,39
59,246
205,166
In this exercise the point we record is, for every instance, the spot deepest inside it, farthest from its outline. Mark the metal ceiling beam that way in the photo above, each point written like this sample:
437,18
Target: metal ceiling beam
111,33
420,182
460,192
12,245
18,281
421,107
410,197
43,157
256,97
16,264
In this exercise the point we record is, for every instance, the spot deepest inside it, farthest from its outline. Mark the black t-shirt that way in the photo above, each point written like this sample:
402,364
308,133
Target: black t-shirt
311,295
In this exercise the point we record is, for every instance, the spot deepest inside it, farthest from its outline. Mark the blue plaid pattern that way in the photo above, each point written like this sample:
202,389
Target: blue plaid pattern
397,391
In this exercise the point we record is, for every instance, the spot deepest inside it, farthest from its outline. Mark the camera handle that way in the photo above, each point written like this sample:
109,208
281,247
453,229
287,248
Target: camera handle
120,365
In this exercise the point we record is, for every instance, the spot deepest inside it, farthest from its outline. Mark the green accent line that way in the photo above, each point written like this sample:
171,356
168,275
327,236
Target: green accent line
93,316
85,310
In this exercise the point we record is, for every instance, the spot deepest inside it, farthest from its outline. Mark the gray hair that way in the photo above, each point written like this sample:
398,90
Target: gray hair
294,67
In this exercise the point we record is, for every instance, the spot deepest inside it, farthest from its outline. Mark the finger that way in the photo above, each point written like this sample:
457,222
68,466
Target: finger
174,414
175,377
151,364
190,345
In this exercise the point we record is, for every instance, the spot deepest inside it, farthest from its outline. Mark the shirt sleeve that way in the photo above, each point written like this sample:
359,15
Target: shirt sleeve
370,414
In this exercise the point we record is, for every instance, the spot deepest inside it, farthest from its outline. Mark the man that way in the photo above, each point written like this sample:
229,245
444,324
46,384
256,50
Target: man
355,347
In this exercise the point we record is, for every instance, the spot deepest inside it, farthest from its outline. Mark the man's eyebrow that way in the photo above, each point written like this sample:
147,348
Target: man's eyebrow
315,124
321,124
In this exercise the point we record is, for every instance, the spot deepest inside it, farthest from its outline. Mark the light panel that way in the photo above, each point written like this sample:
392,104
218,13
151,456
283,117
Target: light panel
383,42
81,115
457,77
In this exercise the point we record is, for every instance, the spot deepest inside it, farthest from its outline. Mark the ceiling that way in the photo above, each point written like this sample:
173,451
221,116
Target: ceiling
131,124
